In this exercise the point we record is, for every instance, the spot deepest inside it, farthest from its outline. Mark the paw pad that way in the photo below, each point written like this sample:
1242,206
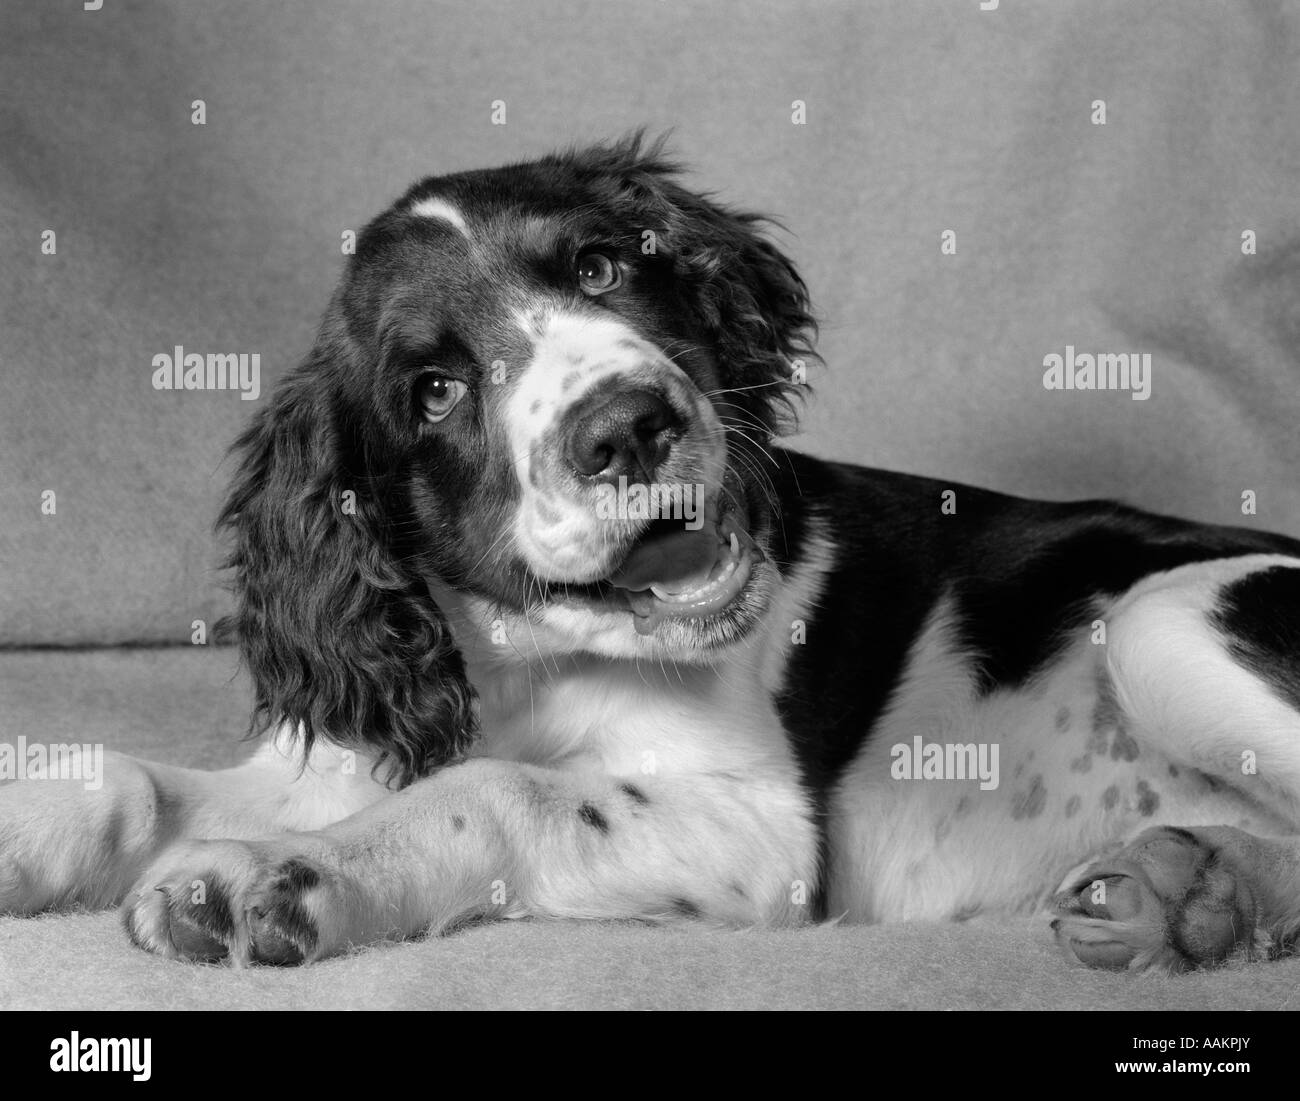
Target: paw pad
1169,900
250,911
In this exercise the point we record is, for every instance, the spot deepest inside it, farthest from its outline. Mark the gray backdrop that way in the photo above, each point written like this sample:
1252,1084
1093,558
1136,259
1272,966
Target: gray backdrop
921,118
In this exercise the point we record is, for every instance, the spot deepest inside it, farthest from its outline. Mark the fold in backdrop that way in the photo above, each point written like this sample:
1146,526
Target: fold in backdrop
920,118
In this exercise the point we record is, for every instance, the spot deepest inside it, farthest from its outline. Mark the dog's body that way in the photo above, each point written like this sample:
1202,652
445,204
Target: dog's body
752,720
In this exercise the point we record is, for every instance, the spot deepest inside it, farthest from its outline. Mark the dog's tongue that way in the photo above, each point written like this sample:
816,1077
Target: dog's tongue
675,561
685,573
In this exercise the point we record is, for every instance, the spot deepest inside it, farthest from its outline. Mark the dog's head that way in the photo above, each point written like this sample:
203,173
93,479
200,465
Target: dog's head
547,389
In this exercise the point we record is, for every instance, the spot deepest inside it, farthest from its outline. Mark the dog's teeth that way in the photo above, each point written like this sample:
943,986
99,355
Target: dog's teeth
710,586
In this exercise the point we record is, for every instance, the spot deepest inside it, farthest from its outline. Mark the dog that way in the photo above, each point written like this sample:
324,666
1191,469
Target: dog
542,622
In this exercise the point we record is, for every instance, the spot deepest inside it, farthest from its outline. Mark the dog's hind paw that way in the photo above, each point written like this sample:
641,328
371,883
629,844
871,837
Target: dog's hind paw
1173,899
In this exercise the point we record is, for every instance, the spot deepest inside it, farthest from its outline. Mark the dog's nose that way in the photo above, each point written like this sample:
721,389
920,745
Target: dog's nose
627,434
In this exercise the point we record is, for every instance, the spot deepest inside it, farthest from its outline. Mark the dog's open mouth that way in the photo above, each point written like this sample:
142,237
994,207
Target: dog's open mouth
674,571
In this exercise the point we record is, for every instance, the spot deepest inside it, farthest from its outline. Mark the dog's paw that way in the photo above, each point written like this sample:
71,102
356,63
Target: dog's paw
242,902
1171,900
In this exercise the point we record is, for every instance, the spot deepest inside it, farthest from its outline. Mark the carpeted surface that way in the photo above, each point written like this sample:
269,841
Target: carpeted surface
84,962
187,706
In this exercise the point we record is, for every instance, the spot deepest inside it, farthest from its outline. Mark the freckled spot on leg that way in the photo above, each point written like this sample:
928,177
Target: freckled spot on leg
569,381
457,822
1148,799
635,794
589,813
1212,783
536,407
1019,770
1072,806
1106,715
1110,797
942,830
1062,719
1030,803
1105,711
1098,742
1124,748
963,807
1082,764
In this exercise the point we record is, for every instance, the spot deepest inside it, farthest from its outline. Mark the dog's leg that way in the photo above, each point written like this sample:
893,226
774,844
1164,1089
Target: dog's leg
486,838
1202,688
64,844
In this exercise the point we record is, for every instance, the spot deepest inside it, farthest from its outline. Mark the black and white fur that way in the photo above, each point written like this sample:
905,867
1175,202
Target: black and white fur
463,722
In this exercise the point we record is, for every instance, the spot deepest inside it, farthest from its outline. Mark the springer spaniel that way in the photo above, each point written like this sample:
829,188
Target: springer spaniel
542,623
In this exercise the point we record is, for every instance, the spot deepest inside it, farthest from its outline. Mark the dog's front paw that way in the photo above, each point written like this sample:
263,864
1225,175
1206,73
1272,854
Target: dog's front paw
1172,900
254,902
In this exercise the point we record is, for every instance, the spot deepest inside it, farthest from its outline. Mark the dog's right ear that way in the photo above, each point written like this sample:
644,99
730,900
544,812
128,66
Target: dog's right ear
341,640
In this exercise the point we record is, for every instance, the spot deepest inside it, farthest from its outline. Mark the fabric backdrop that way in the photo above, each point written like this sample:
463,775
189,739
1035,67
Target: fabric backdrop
920,118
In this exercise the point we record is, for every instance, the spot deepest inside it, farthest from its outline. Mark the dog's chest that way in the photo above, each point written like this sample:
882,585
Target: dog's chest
627,720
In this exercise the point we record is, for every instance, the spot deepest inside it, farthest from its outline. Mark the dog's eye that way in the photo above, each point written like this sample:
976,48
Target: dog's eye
438,396
597,273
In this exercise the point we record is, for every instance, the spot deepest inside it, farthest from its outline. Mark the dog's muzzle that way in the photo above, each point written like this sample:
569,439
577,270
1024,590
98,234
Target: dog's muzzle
675,568
606,431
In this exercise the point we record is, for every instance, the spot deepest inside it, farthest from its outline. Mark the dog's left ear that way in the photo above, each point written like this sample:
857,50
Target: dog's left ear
341,638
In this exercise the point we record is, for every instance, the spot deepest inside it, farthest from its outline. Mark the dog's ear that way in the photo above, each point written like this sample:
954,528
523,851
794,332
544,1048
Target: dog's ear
753,304
342,642
746,293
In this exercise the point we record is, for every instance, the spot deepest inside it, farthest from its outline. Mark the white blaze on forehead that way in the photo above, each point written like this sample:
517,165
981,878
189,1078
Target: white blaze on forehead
580,336
434,207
